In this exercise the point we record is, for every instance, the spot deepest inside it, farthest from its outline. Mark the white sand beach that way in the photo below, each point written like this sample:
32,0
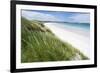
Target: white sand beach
79,39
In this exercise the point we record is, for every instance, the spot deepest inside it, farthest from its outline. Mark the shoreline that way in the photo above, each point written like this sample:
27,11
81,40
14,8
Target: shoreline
78,39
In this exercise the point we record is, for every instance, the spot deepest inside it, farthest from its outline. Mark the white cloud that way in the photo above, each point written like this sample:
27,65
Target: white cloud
82,18
32,15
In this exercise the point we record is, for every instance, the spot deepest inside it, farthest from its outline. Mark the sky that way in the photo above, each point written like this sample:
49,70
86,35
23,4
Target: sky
56,16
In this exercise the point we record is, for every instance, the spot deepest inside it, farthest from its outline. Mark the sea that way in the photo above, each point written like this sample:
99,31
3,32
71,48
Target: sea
77,26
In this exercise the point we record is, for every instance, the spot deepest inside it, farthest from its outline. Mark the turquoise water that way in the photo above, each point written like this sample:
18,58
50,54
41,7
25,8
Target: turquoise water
79,26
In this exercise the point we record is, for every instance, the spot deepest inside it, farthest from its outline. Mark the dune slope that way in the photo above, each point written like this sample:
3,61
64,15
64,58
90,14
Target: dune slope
39,44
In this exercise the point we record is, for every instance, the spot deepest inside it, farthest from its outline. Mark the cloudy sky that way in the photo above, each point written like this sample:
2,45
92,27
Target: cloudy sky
56,16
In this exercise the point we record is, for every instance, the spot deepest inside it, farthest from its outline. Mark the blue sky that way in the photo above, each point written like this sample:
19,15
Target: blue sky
56,16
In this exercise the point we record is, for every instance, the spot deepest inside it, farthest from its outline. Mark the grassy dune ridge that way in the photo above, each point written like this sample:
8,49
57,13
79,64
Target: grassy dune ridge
39,44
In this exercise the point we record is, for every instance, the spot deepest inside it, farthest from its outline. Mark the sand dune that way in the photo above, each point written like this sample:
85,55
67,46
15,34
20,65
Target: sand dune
79,39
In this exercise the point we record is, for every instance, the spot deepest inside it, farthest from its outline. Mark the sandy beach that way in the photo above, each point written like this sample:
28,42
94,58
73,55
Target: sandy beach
79,39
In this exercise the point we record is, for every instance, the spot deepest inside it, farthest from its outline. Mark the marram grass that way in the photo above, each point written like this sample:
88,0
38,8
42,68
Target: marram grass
39,44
